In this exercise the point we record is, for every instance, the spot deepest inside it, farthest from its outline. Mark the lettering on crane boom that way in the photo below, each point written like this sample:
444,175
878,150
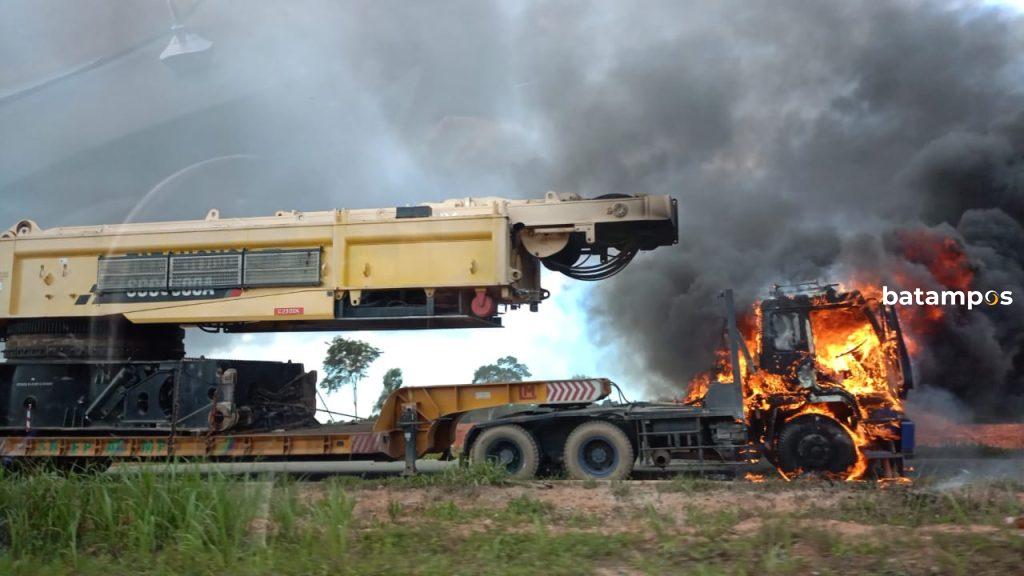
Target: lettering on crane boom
203,274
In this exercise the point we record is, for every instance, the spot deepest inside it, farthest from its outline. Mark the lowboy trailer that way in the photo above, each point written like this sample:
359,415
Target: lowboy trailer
562,427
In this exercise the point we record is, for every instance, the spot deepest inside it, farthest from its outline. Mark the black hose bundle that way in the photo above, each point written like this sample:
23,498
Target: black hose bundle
606,267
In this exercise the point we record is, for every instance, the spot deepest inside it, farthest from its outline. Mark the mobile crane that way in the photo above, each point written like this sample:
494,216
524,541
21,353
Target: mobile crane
95,367
93,316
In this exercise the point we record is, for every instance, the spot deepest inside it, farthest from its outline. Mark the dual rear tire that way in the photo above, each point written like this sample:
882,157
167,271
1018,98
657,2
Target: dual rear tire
593,450
511,447
598,451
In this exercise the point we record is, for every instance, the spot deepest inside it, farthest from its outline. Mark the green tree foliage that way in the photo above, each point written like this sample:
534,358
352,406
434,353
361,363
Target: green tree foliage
392,382
507,369
346,363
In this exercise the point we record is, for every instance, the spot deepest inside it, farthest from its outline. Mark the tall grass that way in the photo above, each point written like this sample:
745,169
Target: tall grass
168,522
176,508
47,514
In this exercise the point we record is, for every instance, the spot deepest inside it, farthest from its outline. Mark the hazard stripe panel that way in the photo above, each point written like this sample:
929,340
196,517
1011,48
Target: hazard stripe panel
573,391
369,443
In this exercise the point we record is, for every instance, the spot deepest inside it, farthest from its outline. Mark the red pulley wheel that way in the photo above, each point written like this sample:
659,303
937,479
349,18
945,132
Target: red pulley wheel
483,305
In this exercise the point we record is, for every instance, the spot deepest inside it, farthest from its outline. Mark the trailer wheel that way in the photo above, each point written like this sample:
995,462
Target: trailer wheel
509,446
598,450
815,443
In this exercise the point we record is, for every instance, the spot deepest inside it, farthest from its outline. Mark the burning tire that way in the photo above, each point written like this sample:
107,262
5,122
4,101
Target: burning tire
509,446
815,443
598,450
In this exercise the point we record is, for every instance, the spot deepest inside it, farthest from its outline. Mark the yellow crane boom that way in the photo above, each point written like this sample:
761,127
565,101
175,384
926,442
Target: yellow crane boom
447,264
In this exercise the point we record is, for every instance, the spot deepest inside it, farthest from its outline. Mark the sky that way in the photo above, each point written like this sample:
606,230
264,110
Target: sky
792,161
316,106
800,138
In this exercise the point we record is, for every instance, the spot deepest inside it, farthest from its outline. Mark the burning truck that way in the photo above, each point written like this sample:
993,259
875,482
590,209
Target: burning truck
823,373
822,376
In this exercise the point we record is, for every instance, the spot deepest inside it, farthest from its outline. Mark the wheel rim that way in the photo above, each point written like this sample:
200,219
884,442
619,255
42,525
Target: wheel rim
815,444
505,453
598,457
814,451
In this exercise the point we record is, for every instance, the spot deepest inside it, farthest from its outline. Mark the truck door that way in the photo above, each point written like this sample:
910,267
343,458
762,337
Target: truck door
901,377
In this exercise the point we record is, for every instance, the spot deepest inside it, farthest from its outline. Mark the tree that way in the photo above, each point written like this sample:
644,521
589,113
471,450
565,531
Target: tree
346,363
392,382
507,369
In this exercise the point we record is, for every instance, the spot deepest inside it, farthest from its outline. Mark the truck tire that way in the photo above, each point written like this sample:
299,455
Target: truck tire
510,446
600,451
815,443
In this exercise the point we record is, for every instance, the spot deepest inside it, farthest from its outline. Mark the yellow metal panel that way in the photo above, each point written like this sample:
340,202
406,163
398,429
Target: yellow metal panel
50,286
436,404
283,236
190,446
460,252
245,445
433,402
268,446
6,281
291,304
336,257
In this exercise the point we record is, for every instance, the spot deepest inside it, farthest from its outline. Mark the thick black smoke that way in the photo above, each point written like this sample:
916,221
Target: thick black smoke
814,142
803,139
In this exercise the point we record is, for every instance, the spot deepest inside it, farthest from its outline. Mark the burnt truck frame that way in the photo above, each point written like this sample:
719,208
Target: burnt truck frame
718,436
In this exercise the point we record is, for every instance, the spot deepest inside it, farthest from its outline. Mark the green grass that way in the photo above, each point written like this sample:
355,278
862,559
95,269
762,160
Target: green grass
982,503
451,479
52,514
151,523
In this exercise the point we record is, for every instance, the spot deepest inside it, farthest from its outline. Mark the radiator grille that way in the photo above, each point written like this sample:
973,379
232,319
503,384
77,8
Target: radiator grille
211,270
123,273
282,268
206,271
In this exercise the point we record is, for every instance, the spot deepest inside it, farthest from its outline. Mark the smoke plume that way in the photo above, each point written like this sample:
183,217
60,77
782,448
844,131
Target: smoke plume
803,140
838,142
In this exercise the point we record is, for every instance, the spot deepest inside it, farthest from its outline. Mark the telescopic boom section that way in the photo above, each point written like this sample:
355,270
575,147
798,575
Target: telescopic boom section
441,265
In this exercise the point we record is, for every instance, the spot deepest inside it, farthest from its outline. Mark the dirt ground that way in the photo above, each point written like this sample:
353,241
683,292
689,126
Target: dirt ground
728,527
475,520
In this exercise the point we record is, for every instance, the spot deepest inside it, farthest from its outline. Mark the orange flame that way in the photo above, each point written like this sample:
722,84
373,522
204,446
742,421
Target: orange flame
848,355
942,255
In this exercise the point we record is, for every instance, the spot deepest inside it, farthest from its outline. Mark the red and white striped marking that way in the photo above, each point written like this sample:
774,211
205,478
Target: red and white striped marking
574,391
368,443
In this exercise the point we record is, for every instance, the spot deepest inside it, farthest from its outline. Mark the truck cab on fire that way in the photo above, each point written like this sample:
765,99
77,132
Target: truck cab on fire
822,395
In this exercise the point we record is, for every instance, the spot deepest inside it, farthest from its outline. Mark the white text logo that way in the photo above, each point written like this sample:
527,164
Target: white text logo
970,298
